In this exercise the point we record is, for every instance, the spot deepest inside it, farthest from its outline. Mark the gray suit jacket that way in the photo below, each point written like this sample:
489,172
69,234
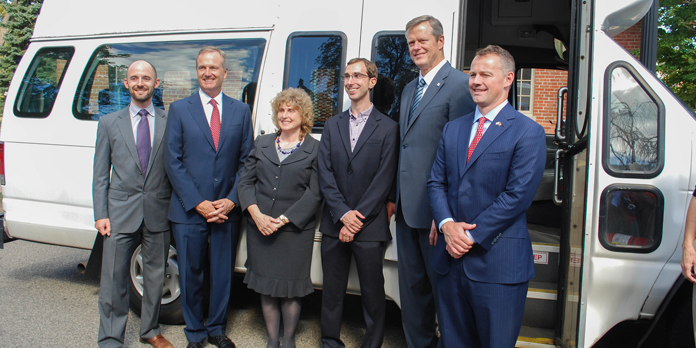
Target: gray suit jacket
290,187
447,98
128,198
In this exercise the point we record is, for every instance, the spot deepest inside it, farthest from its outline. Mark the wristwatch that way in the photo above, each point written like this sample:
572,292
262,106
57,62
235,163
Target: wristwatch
284,219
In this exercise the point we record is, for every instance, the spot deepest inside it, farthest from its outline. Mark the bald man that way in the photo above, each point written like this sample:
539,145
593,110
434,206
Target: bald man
131,194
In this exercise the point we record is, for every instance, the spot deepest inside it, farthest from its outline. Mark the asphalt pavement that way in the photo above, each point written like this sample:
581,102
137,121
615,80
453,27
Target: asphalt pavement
46,302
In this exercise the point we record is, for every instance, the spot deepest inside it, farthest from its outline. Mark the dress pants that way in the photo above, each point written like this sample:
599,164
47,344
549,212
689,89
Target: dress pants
417,284
478,315
335,261
192,247
115,276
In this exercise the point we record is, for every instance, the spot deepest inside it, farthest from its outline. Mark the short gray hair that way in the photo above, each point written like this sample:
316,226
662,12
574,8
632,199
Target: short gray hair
434,23
507,62
213,49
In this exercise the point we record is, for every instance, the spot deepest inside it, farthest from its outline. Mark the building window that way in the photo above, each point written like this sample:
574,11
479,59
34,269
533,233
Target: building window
101,89
396,69
43,79
314,61
525,91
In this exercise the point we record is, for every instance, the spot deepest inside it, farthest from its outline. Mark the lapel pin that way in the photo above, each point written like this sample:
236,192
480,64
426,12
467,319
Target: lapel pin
498,124
438,84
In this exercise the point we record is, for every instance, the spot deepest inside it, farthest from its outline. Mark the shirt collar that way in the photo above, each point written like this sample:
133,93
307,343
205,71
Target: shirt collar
134,110
492,114
205,99
363,115
431,74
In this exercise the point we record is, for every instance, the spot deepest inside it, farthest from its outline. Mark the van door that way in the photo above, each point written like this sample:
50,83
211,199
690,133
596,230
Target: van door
636,173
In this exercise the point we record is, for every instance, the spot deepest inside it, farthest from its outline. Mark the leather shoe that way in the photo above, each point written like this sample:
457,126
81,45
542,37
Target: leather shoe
194,345
221,341
158,342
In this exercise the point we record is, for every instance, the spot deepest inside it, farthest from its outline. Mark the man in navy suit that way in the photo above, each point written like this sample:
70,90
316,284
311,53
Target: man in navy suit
208,138
487,170
357,164
437,96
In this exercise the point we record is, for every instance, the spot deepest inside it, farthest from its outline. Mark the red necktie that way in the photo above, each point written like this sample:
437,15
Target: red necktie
477,138
215,123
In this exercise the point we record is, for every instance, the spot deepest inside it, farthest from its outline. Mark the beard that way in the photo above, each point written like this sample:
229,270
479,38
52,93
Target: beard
142,98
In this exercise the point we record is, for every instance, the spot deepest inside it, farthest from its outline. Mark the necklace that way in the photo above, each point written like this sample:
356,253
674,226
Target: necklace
285,152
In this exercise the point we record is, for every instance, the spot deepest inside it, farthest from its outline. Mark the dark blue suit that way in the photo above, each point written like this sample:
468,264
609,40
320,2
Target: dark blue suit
198,172
482,294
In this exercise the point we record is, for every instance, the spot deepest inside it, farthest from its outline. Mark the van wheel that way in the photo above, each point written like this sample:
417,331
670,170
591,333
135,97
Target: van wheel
170,310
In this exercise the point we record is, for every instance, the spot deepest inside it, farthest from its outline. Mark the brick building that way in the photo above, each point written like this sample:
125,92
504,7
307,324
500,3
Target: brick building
538,88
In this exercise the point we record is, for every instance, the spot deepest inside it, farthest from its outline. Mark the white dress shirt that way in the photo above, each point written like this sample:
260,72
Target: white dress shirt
207,107
431,75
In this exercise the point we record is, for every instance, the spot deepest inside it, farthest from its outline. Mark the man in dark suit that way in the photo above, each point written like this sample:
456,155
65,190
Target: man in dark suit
437,96
128,164
357,164
208,138
488,168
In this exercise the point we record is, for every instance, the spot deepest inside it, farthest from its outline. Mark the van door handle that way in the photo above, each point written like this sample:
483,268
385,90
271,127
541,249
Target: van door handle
557,177
560,137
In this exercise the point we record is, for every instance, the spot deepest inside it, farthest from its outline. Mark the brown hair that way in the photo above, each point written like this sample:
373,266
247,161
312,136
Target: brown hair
300,100
369,65
507,62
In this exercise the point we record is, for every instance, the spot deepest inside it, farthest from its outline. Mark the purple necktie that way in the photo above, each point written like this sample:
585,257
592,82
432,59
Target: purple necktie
143,142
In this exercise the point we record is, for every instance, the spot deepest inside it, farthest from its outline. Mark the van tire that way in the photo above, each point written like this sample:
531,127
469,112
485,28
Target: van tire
170,310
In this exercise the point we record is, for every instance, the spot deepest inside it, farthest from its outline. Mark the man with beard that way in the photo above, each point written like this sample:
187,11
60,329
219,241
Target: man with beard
131,194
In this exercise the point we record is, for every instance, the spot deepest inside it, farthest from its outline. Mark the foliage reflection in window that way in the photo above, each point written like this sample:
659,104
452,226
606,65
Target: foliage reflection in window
40,85
396,70
315,65
633,119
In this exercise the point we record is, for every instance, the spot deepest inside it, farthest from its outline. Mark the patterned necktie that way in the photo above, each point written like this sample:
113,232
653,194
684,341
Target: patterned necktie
477,138
215,123
417,98
143,142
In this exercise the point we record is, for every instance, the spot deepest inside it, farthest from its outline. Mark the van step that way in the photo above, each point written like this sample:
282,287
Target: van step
540,306
546,249
534,337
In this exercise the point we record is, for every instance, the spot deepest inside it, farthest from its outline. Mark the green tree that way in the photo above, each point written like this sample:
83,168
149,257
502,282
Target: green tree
21,16
676,48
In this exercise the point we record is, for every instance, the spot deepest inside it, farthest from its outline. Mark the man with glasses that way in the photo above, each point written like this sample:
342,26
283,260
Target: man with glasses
357,165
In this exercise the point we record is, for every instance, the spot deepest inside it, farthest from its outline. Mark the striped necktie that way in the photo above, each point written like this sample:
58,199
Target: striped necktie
417,98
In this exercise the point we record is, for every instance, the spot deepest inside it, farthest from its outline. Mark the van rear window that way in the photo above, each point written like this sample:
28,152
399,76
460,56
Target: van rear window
41,83
101,90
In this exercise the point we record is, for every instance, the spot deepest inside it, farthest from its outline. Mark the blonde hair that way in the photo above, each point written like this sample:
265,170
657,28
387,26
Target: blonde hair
300,100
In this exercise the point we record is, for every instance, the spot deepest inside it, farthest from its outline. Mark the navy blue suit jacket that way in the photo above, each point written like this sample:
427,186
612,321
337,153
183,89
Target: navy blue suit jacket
198,172
360,179
493,190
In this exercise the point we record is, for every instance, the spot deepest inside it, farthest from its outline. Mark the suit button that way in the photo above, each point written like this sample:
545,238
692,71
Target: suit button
278,166
405,146
274,189
273,199
276,177
216,180
216,158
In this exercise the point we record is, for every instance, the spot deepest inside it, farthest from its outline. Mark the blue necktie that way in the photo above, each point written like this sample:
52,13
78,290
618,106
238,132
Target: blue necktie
417,98
143,141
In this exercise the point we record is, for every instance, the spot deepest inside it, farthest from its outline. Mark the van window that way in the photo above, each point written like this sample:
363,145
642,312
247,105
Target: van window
630,218
41,83
101,90
633,127
396,70
313,63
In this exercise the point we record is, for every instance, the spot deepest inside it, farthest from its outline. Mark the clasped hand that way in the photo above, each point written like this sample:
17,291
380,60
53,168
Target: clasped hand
215,211
458,242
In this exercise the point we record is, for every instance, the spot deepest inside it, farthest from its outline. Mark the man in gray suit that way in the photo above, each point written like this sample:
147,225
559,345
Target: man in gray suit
131,195
440,94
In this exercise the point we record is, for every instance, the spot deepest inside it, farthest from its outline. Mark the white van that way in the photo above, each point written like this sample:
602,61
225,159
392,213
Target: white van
607,253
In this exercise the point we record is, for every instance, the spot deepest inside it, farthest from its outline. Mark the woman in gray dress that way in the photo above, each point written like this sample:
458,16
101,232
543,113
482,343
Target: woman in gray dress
279,189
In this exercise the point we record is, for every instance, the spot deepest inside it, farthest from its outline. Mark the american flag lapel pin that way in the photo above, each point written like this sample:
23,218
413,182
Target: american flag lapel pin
438,84
498,124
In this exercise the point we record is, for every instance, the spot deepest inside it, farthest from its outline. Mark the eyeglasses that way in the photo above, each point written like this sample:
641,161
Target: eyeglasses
355,76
